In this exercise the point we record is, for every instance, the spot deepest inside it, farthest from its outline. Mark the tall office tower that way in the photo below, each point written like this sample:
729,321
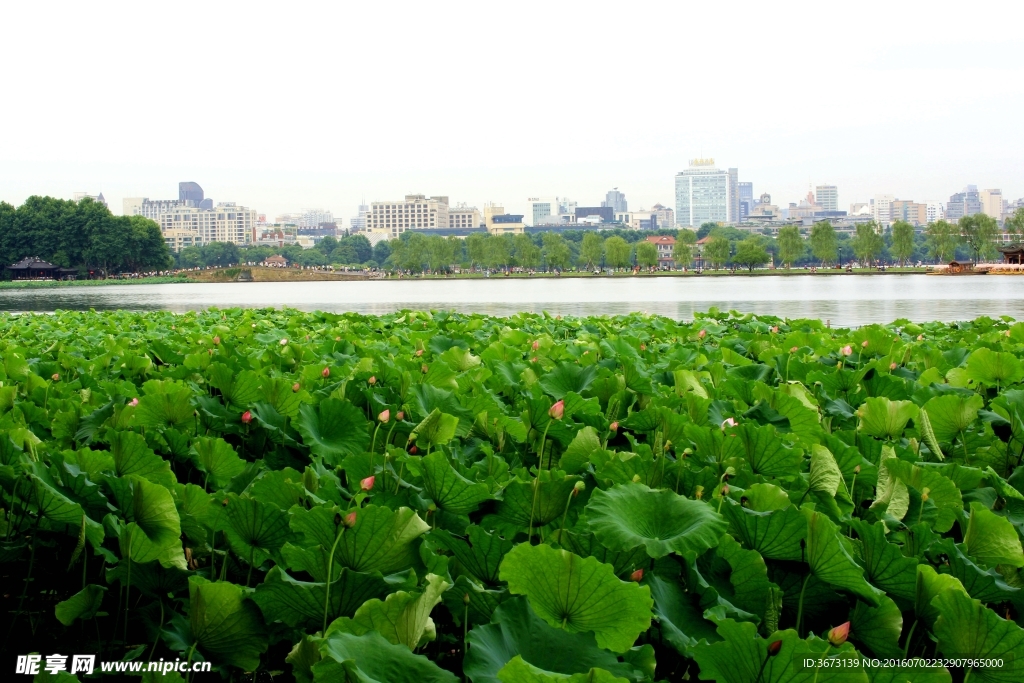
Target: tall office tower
704,193
616,201
827,197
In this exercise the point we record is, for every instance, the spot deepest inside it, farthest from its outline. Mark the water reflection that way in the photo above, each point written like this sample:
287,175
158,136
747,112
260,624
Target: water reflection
844,299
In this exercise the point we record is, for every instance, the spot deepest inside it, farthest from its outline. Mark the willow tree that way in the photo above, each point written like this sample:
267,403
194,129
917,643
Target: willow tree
902,241
791,245
824,243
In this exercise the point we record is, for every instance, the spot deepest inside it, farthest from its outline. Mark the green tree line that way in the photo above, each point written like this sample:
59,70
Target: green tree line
83,235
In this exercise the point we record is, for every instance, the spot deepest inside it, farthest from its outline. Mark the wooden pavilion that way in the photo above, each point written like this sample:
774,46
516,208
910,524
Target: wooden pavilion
34,268
1013,254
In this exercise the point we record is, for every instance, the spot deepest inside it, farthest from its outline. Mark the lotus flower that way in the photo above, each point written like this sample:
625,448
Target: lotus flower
296,387
372,380
728,422
367,484
413,450
793,349
535,345
216,341
774,648
350,519
775,329
892,366
134,402
846,350
56,377
702,334
637,575
284,342
424,368
614,427
864,344
838,635
534,359
920,337
400,416
337,339
246,417
557,410
385,416
326,372
643,347
419,352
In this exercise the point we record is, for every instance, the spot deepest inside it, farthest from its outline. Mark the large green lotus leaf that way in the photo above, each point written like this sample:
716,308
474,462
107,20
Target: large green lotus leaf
941,491
370,658
825,475
403,617
479,554
333,430
578,594
748,575
303,656
891,494
885,419
624,517
924,426
217,459
57,508
460,359
283,488
878,628
254,529
519,504
469,599
516,631
435,429
238,388
679,616
132,455
951,414
987,586
227,628
278,393
165,404
885,566
154,526
449,490
317,528
82,605
382,540
831,563
568,377
766,452
966,628
301,603
991,539
518,671
577,455
584,543
929,585
776,534
994,368
741,656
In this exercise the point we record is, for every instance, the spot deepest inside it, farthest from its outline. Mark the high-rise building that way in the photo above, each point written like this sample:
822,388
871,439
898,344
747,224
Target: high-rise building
616,201
966,203
882,212
190,194
915,213
552,211
746,190
992,203
98,198
358,222
415,212
226,222
827,197
704,193
314,218
665,216
734,195
935,211
463,216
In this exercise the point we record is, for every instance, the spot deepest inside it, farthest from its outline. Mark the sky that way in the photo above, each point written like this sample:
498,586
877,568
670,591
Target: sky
284,106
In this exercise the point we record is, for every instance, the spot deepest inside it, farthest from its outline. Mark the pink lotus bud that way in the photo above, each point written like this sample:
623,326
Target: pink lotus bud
307,337
1007,333
864,344
284,342
774,648
728,422
296,387
326,372
535,345
384,416
892,366
400,416
586,353
134,402
413,450
637,576
337,339
424,368
702,334
643,347
419,352
372,380
557,410
793,349
725,490
846,350
173,327
350,519
216,341
614,427
920,337
838,635
246,417
775,329
56,377
366,484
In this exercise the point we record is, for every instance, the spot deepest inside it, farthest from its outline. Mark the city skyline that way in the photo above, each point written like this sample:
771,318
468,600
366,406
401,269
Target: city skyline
749,106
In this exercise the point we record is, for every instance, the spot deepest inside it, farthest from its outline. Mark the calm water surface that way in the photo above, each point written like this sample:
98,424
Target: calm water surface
846,300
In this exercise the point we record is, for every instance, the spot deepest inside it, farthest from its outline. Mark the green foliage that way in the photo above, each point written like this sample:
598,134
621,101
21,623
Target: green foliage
716,251
824,244
751,253
241,508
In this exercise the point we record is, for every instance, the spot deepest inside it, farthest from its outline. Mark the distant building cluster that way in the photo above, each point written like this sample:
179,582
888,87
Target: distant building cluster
193,220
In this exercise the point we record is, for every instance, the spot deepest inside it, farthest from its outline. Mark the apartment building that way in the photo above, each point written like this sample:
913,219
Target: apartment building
463,216
226,222
415,212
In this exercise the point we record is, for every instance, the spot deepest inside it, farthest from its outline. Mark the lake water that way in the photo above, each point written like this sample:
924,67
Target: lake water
846,300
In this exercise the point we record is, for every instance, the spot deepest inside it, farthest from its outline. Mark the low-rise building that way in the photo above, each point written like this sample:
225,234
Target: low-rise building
463,216
498,222
415,212
178,239
666,246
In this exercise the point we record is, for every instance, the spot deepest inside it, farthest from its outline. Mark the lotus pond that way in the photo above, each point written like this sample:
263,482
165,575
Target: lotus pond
432,498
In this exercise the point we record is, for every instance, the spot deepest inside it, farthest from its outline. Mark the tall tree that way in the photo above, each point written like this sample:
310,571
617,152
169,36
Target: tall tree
705,229
942,240
867,243
591,250
751,253
823,242
381,252
616,252
716,250
476,248
979,233
556,251
902,241
525,252
646,254
498,251
791,245
1014,225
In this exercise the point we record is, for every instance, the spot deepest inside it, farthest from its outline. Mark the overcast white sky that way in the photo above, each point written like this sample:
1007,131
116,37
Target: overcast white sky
280,106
